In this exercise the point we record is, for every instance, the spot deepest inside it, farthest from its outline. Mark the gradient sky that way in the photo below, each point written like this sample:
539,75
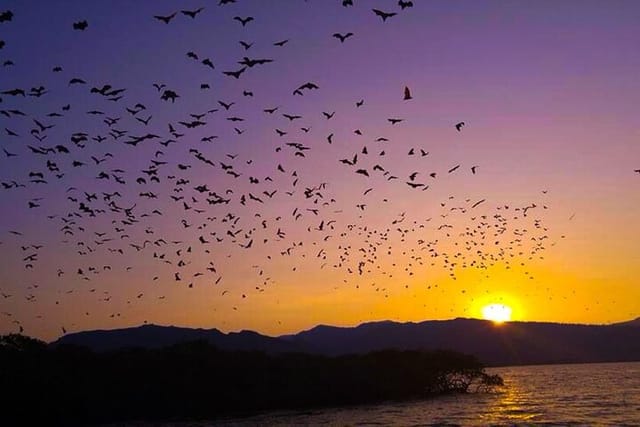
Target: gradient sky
548,91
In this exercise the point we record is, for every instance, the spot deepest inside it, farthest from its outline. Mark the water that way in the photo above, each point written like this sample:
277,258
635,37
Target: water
589,394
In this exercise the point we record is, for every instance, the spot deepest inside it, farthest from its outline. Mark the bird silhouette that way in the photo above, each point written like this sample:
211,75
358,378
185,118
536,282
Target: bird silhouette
165,19
80,25
342,37
405,4
243,21
407,93
291,117
384,15
192,13
6,16
305,86
253,62
477,203
235,74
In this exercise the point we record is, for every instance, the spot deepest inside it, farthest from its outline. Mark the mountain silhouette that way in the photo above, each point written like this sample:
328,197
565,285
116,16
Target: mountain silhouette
155,337
634,322
512,343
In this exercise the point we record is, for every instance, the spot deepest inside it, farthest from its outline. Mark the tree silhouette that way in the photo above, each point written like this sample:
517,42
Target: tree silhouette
73,385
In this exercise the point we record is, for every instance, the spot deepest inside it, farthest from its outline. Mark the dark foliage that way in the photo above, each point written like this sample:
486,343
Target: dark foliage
69,384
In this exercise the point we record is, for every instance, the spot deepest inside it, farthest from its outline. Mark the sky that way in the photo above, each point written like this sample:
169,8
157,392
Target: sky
533,203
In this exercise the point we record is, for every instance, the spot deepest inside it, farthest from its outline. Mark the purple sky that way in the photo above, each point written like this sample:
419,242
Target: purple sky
548,92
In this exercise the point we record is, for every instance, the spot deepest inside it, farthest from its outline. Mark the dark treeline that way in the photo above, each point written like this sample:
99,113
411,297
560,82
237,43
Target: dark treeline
73,385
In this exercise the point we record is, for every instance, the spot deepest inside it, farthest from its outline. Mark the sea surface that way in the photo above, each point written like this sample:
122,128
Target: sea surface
585,394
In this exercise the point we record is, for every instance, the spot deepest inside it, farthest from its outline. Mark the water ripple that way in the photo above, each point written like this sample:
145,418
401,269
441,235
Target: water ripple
568,395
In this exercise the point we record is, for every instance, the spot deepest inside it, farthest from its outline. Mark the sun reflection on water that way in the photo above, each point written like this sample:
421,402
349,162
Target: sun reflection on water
510,403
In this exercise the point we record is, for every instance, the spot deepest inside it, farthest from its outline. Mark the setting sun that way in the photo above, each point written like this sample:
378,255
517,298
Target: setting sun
497,313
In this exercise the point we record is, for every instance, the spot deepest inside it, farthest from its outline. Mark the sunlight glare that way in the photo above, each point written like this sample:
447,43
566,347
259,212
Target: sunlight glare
497,313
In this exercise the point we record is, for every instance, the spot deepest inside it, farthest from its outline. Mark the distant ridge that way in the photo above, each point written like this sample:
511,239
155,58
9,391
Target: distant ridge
512,343
153,336
634,322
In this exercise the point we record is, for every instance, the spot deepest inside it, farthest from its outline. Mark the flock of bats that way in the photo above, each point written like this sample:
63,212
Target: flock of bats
201,206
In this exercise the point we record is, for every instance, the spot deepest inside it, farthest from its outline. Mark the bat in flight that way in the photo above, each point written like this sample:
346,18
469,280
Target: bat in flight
384,15
80,25
405,4
192,13
165,19
407,93
342,37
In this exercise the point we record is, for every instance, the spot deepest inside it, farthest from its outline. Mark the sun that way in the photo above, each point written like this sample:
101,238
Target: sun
497,313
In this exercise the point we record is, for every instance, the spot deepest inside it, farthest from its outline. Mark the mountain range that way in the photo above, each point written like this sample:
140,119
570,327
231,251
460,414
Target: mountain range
511,343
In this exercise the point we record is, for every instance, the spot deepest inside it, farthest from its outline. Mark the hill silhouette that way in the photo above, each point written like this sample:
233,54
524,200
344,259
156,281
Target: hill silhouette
512,343
634,322
154,336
